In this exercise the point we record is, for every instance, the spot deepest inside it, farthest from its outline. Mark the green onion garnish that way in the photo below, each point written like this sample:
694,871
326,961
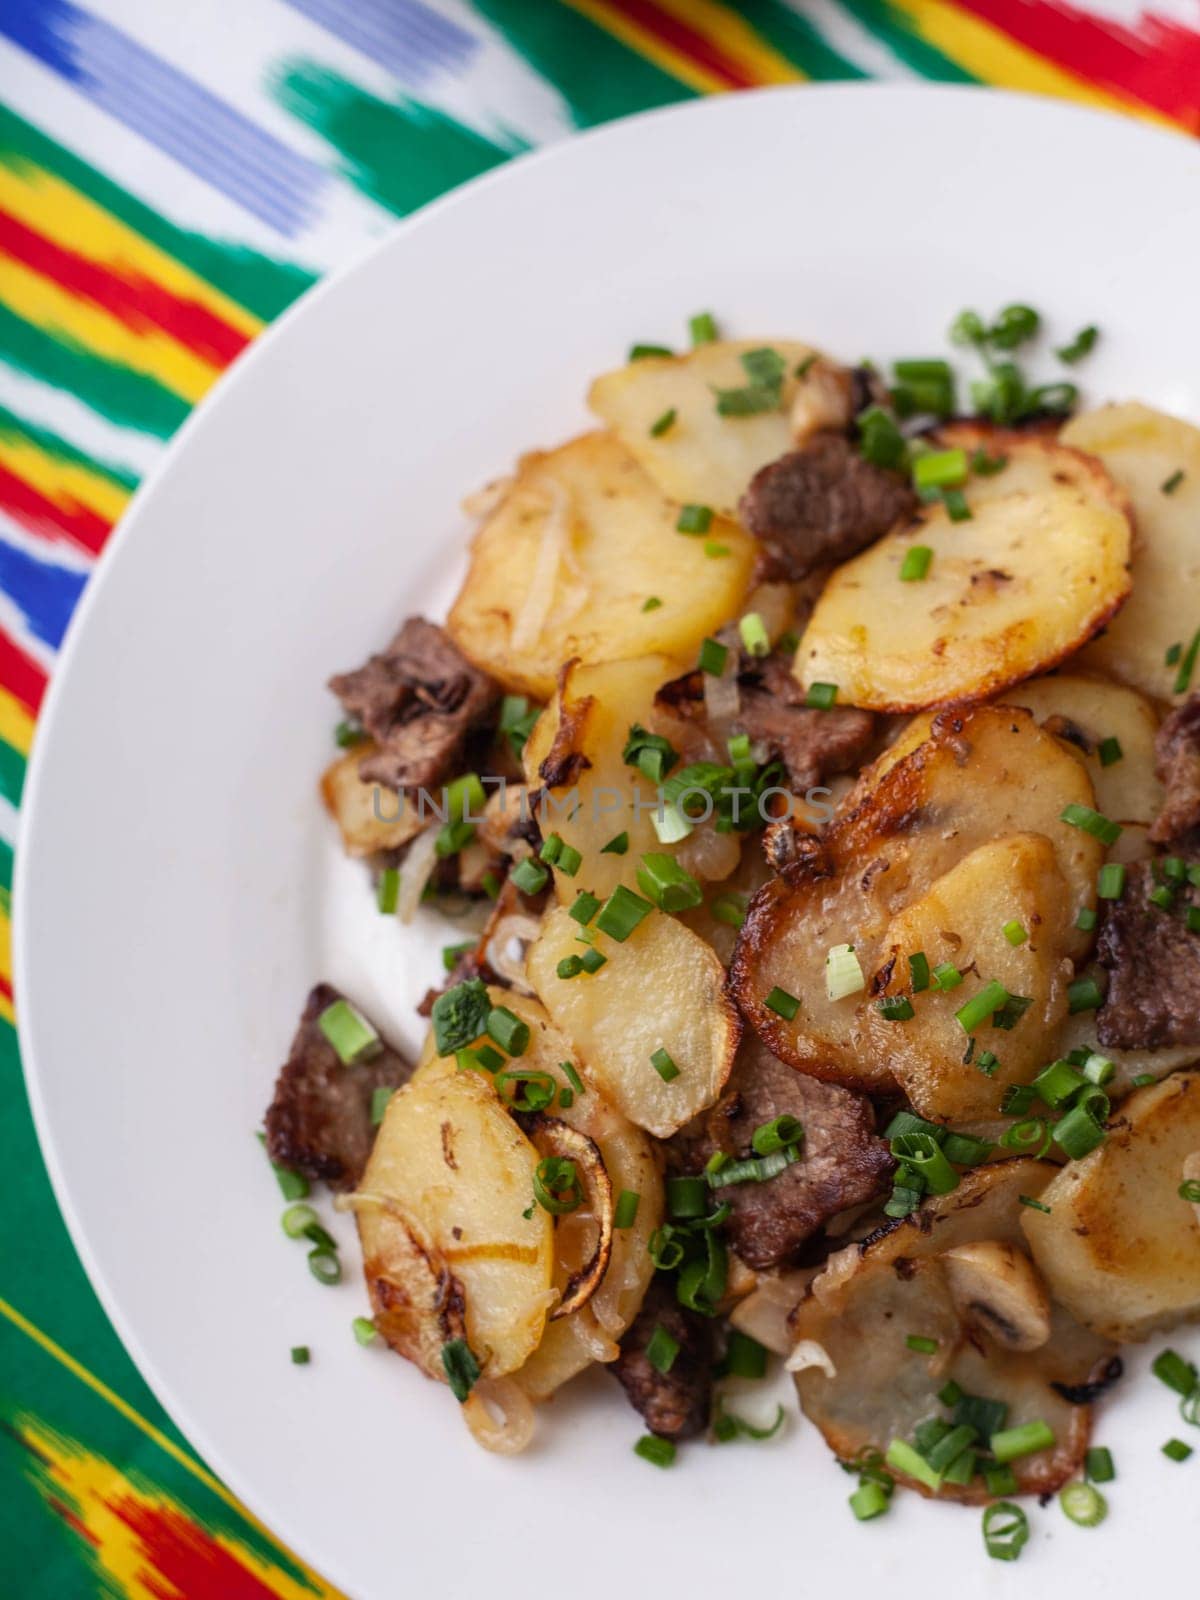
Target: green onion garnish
915,566
925,1347
924,1154
1000,1480
301,1355
731,910
1015,932
585,908
1013,1443
1098,1465
869,1500
1083,995
895,1008
918,972
1189,1190
645,352
1078,1133
821,696
663,424
755,639
713,657
626,1209
452,952
508,1030
1034,1205
593,960
1086,920
744,1356
1092,822
686,1198
1183,678
1170,1368
1077,349
1142,1080
1176,1450
715,551
569,967
1005,1531
461,1368
879,439
529,876
1083,1505
1109,751
1169,485
388,890
664,1066
843,972
661,1350
982,1006
946,976
380,1099
365,1330
324,1265
694,519
292,1185
782,1003
650,753
296,1220
905,1459
651,603
348,1031
940,469
779,1134
526,1089
659,1452
703,328
347,734
621,913
618,845
556,1186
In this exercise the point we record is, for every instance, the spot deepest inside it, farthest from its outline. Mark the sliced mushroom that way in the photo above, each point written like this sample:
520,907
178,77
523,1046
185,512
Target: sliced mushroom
997,1288
552,1137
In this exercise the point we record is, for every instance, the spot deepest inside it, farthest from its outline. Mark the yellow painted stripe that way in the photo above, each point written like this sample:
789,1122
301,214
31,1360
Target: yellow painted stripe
61,480
16,724
995,58
6,1005
68,218
649,45
735,38
50,307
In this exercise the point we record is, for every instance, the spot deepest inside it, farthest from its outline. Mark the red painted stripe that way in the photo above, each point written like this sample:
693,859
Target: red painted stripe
676,35
20,674
51,519
1156,63
6,988
183,1559
136,300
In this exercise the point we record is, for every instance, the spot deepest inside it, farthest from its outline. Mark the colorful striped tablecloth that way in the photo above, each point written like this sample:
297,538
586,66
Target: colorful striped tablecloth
171,177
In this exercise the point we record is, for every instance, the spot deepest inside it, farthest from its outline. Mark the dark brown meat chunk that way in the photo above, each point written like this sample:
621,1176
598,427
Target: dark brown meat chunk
843,1162
821,504
1177,762
319,1122
811,744
419,701
674,1404
1153,966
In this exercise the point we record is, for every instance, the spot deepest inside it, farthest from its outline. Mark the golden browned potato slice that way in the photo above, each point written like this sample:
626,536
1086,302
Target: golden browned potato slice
1145,450
961,919
566,563
997,1339
1033,574
1079,1033
663,989
1120,1248
448,1249
982,775
703,458
1085,712
369,817
580,737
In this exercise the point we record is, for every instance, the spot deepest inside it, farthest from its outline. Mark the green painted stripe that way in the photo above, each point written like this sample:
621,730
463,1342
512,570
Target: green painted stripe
12,775
795,37
14,427
125,397
402,154
262,285
598,76
899,33
6,873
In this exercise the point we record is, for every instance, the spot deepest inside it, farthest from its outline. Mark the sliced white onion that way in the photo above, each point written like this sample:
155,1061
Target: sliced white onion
529,621
416,873
843,972
482,502
500,1415
722,697
710,855
507,946
764,1313
808,1353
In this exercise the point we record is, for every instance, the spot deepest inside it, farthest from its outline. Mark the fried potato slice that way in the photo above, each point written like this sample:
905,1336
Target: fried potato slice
703,458
961,919
1039,567
1079,1033
1084,712
564,566
369,817
1119,1248
870,1294
983,774
662,989
448,1250
579,739
1144,450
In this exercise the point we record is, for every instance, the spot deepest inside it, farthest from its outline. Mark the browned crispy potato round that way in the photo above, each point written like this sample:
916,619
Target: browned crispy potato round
871,1295
982,775
369,818
1039,567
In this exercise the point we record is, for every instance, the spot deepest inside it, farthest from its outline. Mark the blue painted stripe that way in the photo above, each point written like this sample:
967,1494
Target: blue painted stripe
404,37
44,593
180,116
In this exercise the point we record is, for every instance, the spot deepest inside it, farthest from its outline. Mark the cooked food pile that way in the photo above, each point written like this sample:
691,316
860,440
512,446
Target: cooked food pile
819,768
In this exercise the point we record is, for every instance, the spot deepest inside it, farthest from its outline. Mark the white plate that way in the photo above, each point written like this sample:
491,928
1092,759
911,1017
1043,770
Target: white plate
179,888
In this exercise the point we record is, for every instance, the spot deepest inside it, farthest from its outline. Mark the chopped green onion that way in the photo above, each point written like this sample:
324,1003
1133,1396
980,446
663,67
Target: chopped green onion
1015,932
626,1209
621,913
387,892
452,952
744,1356
1189,1190
918,972
1034,1205
670,824
1098,1069
727,1426
1000,1480
981,1006
946,976
1092,822
663,424
380,1100
869,1500
753,631
782,1003
703,328
821,696
556,1185
292,1185
1189,1407
1170,1368
301,1355
508,1030
1005,1531
593,960
1083,1505
1086,920
664,1066
923,1152
460,1367
1083,995
1058,1083
731,910
1013,1443
713,656
940,469
908,1122
880,440
517,718
964,1150
1110,885
1174,651
297,1220
1176,1450
584,908
694,519
365,1330
651,603
644,352
529,877
1109,751
569,860
324,1265
485,1059
569,967
916,563
779,1134
661,1350
650,753
534,1090
924,1347
658,1452
1078,1133
1142,1080
618,845
347,734
986,466
1098,1465
754,1169
1169,485
895,1008
1077,349
905,1459
1025,1135
1183,678
686,1197
1017,1099
348,1031
843,972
